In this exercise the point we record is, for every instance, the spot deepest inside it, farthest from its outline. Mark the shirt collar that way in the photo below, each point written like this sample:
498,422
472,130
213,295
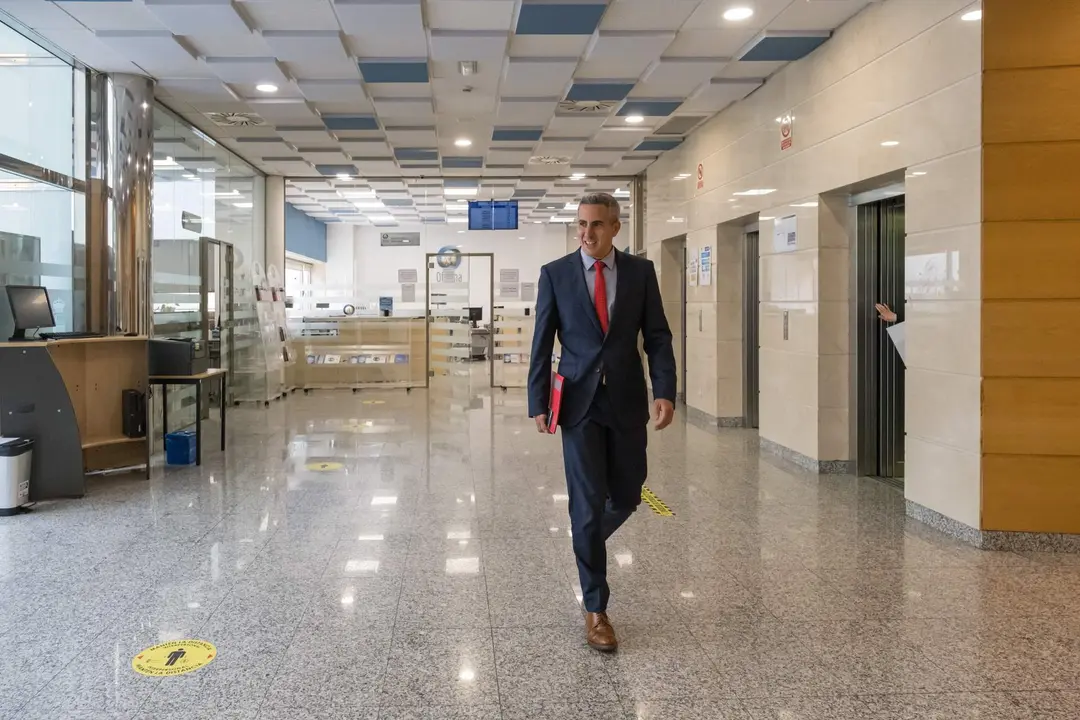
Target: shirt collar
609,259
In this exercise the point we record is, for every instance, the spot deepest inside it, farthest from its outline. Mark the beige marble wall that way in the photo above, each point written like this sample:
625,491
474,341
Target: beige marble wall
895,91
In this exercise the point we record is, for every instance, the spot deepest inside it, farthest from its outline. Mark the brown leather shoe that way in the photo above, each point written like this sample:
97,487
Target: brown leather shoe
599,633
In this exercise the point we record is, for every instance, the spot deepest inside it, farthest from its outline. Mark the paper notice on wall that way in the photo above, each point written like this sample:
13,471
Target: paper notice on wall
785,238
705,271
692,272
408,275
509,291
509,275
408,292
528,291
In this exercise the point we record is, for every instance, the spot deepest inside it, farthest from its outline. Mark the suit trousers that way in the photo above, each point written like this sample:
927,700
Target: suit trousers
605,470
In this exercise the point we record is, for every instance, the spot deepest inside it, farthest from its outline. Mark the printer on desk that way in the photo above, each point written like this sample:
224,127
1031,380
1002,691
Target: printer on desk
178,357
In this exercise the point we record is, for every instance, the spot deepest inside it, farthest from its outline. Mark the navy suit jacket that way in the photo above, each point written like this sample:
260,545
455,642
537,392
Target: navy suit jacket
563,307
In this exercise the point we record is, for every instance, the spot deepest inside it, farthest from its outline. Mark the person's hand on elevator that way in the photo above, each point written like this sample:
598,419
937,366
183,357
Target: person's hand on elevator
885,313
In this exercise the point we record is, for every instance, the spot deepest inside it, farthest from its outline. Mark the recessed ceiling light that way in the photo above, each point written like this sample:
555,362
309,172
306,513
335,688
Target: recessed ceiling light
460,232
890,143
344,176
457,219
811,204
634,119
266,88
244,206
918,173
458,191
463,142
736,14
755,191
521,237
972,16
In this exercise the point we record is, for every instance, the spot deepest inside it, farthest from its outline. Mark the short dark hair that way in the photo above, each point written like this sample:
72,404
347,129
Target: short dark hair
604,199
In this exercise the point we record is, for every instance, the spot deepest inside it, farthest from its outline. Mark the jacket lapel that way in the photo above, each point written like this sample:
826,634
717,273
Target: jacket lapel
581,291
622,291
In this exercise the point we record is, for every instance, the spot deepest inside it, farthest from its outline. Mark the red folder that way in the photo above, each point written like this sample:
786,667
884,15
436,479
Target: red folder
556,401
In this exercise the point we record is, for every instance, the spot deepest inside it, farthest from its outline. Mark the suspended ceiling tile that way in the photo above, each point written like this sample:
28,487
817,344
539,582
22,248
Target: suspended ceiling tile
700,42
291,14
467,45
718,94
184,17
537,77
312,54
470,14
304,134
545,18
100,16
677,77
782,46
548,46
248,71
339,90
647,14
623,54
412,136
525,111
158,53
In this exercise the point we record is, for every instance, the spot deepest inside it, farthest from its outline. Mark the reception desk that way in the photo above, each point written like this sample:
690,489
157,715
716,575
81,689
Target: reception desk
67,396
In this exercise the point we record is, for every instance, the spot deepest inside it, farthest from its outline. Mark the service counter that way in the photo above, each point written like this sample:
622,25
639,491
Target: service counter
68,396
360,352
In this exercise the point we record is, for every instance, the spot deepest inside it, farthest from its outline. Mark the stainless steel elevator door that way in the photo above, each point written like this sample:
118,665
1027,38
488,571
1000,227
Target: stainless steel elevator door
880,382
751,334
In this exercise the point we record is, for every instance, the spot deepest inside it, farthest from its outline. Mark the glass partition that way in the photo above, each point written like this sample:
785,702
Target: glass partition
42,167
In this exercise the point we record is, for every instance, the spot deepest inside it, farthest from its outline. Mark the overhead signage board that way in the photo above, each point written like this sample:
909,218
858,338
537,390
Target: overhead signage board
493,215
399,239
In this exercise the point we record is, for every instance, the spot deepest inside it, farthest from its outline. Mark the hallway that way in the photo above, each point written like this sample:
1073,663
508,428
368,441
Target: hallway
397,556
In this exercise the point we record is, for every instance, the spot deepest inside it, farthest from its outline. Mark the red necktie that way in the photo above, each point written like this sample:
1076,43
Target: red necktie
601,294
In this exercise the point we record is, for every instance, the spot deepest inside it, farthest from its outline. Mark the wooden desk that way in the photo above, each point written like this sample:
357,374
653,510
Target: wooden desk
67,396
197,380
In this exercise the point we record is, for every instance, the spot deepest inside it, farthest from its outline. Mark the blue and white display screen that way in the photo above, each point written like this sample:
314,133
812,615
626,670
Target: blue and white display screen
493,215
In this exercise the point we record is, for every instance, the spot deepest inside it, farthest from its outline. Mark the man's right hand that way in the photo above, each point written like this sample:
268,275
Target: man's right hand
542,424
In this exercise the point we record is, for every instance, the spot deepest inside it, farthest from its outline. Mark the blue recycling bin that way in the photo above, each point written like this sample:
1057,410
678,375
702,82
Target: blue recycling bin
180,448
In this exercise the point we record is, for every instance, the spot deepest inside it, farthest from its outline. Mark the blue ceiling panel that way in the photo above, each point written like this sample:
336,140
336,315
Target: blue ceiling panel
397,202
419,154
462,163
658,145
459,183
512,134
538,18
394,71
650,108
783,47
599,91
350,122
529,193
336,170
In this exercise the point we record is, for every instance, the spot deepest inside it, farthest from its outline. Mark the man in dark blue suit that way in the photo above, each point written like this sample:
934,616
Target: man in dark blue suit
598,300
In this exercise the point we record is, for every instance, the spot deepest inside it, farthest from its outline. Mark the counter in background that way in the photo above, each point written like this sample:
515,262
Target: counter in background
360,352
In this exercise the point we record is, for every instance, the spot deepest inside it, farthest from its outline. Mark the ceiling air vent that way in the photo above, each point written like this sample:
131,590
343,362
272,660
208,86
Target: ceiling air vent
549,160
230,119
586,107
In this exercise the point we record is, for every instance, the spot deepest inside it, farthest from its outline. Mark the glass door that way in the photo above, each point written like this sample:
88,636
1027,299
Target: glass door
459,311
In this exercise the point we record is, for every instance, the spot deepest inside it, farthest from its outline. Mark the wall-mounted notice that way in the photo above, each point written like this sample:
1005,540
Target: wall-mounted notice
705,277
785,238
408,275
399,239
408,292
509,275
509,291
528,291
787,133
692,271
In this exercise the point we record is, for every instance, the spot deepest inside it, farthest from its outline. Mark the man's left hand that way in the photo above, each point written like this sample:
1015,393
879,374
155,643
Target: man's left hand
663,412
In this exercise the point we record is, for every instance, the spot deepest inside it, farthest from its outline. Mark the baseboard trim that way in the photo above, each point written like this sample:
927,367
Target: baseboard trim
703,419
821,467
994,539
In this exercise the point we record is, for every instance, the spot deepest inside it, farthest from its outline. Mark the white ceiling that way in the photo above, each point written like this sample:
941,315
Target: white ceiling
676,56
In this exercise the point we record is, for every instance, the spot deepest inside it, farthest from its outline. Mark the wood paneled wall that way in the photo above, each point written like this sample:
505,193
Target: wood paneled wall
1031,266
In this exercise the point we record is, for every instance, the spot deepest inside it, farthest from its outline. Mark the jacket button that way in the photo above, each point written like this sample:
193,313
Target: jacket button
597,369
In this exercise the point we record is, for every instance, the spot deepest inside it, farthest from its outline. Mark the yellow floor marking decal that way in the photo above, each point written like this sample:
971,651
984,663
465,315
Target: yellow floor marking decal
324,466
658,506
177,657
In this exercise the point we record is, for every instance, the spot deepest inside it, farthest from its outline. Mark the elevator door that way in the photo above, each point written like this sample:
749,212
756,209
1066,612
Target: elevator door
880,279
751,344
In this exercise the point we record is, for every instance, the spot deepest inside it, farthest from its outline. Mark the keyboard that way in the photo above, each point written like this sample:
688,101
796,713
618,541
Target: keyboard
68,335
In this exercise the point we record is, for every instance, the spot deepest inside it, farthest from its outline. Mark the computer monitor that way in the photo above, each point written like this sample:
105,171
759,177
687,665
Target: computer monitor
476,314
30,309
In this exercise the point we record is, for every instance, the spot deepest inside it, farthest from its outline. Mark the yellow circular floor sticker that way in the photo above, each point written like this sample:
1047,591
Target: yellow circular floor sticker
174,658
324,466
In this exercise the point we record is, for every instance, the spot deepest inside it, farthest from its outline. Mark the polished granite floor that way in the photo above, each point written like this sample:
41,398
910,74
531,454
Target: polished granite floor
395,556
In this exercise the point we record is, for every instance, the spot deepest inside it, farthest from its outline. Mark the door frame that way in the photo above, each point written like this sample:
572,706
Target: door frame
751,312
429,259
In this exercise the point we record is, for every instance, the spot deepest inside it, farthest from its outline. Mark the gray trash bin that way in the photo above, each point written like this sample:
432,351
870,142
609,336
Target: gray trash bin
15,458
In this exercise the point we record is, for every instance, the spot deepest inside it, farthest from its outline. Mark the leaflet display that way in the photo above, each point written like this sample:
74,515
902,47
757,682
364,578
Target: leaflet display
493,215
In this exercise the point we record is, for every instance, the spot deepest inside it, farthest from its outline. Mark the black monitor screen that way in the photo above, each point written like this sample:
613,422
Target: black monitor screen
30,307
476,314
